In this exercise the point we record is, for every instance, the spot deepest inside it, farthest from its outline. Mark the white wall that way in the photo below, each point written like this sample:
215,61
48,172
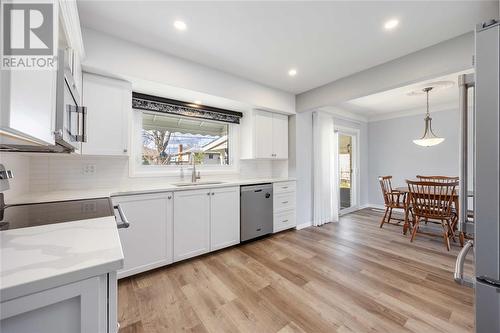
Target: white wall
109,55
392,152
450,56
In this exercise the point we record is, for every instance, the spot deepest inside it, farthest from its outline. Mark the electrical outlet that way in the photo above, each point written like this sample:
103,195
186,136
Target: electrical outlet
89,169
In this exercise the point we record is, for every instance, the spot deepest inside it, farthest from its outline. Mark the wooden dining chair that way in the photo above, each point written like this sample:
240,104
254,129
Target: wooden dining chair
392,200
441,179
438,179
433,201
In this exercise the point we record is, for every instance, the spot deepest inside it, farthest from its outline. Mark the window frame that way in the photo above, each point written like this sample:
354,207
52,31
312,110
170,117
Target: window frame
137,169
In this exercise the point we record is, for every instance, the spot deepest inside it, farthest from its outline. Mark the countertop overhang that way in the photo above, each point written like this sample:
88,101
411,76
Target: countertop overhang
43,257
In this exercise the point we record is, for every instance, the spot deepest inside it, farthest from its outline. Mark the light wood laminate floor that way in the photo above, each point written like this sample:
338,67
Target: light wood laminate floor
346,277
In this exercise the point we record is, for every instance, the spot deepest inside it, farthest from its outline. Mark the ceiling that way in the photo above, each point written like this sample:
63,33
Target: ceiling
402,101
261,41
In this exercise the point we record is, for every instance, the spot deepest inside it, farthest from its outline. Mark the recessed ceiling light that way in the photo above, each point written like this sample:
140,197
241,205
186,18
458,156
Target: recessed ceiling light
391,24
197,102
180,25
292,72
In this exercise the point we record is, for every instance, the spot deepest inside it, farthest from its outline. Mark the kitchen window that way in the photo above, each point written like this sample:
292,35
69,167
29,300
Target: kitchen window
168,142
170,134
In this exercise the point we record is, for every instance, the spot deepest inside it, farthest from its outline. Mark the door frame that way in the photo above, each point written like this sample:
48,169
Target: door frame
355,186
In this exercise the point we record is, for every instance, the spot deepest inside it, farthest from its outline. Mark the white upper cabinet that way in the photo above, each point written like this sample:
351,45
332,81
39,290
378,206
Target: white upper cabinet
191,223
28,98
109,104
28,105
280,136
224,217
264,135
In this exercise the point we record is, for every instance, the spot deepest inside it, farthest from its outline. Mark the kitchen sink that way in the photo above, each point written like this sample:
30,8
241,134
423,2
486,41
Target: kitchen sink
196,184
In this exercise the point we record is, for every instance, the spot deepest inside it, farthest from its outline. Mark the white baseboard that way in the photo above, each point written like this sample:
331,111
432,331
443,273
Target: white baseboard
374,206
303,225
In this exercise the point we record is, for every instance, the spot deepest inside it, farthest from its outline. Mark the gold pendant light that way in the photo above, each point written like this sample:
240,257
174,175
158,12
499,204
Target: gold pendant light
429,138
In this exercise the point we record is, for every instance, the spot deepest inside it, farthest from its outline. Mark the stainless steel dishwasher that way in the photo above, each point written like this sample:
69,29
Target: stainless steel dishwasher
256,211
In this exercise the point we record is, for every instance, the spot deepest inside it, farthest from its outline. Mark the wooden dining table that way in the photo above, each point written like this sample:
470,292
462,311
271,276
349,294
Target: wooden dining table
406,191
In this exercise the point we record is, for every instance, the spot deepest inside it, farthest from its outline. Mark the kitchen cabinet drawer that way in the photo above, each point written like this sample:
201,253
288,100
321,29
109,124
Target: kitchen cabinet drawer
283,187
284,201
284,220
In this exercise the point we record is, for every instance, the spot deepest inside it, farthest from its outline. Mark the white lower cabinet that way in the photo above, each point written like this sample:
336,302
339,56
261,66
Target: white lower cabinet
205,220
191,223
79,307
284,194
147,242
224,217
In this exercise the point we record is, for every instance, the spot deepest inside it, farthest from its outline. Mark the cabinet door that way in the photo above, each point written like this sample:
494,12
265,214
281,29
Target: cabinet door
263,134
191,223
109,103
79,307
280,136
224,217
28,101
147,242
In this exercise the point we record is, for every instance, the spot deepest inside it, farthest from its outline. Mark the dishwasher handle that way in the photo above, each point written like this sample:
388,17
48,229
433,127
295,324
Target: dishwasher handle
125,224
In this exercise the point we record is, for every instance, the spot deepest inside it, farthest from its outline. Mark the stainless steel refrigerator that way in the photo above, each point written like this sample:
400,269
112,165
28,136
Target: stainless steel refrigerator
483,224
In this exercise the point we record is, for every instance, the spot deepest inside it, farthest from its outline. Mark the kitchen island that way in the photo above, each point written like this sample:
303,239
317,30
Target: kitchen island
60,277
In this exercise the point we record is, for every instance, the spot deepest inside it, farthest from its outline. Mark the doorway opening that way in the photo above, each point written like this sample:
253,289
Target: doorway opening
348,169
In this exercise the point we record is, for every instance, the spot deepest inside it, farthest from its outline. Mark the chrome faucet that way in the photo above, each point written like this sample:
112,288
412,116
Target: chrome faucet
194,176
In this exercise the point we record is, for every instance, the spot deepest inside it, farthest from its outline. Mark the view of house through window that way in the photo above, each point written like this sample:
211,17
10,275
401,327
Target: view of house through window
172,140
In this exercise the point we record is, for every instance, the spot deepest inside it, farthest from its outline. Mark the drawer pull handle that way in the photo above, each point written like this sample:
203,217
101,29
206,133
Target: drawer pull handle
284,202
284,187
285,221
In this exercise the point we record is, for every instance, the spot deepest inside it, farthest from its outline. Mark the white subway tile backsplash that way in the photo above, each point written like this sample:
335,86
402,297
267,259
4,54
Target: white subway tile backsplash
66,172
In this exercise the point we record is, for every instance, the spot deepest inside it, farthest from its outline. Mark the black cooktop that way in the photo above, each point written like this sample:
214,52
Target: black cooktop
31,215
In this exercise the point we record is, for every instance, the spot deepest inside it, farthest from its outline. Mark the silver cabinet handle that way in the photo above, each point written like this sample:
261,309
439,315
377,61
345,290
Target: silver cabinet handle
125,224
284,202
284,187
79,110
84,124
169,197
213,193
284,221
208,193
459,266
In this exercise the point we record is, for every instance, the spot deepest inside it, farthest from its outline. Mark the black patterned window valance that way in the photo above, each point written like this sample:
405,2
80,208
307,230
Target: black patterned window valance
172,106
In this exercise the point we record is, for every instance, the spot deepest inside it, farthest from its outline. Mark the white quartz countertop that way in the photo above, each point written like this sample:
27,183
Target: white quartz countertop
36,197
47,256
